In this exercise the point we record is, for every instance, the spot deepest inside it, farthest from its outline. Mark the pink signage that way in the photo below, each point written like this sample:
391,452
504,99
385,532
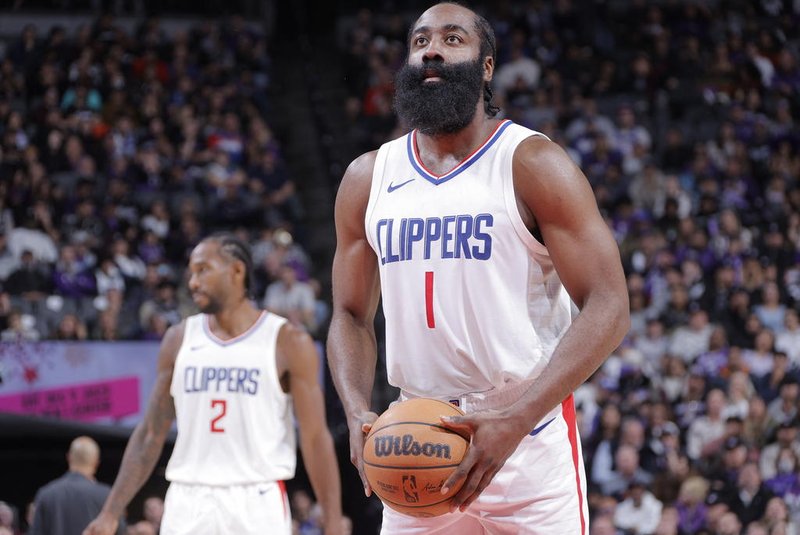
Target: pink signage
85,402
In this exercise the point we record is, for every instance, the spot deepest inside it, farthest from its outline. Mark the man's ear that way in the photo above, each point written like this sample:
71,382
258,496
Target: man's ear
488,68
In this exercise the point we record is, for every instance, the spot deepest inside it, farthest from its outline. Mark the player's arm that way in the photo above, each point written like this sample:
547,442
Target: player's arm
555,195
352,349
316,444
146,442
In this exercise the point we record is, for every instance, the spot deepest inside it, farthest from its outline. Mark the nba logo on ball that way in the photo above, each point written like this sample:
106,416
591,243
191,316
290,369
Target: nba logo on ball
408,455
410,489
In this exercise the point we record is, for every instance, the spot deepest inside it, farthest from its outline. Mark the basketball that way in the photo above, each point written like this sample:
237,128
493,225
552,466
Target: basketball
408,455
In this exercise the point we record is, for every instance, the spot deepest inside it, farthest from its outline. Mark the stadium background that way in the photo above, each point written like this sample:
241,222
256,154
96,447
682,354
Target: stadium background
682,114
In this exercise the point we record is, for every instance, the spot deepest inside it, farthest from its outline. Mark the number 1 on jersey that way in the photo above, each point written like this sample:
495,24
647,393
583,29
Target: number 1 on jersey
215,425
429,299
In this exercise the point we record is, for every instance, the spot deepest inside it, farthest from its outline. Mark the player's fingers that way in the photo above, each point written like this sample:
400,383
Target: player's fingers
363,476
462,470
460,424
485,480
470,485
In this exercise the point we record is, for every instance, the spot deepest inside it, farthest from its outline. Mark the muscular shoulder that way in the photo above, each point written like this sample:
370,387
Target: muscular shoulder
171,344
358,177
353,195
545,177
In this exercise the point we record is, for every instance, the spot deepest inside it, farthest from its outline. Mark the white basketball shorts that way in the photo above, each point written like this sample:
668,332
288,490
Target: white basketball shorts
213,510
541,489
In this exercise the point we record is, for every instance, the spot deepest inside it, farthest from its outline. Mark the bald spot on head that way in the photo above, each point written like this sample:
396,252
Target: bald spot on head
83,455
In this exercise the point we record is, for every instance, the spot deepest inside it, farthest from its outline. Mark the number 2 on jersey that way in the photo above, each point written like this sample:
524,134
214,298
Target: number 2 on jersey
429,299
216,426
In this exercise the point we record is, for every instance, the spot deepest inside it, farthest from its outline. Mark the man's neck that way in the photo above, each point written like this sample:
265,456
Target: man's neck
85,472
233,320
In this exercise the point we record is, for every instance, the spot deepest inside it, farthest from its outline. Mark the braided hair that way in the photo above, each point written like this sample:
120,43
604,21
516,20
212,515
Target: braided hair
233,248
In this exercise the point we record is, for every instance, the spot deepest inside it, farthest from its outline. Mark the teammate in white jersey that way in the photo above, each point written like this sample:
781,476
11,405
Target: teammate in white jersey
441,223
230,376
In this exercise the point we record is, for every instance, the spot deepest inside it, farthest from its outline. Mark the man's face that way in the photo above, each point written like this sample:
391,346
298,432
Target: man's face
211,277
437,91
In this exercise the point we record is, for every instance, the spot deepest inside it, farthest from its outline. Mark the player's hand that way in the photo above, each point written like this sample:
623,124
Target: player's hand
494,437
359,429
102,525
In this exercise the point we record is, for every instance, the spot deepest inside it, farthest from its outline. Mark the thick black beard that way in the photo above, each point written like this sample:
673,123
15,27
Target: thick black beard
442,107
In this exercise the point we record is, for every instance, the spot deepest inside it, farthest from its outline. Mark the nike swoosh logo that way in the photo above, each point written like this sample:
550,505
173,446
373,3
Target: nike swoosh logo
392,187
195,348
541,428
263,491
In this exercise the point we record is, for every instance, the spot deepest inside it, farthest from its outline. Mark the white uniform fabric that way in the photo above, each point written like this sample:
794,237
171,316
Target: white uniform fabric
457,242
254,509
235,423
454,243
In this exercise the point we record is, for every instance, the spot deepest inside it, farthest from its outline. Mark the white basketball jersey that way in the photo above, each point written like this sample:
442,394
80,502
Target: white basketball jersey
235,423
471,298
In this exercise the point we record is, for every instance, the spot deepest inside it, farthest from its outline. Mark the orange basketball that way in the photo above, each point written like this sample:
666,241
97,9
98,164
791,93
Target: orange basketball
408,456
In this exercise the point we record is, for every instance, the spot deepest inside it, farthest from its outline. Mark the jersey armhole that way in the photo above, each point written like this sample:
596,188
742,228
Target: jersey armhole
276,323
376,184
510,198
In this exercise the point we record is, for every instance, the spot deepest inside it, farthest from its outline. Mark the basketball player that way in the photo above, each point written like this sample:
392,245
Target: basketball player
502,287
230,376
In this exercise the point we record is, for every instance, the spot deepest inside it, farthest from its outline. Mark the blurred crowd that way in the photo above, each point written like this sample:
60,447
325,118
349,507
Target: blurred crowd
118,152
684,117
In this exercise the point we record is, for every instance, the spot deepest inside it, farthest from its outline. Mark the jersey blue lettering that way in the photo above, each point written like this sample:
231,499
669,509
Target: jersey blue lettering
416,231
486,220
381,224
448,222
403,242
390,242
453,236
433,231
463,234
222,379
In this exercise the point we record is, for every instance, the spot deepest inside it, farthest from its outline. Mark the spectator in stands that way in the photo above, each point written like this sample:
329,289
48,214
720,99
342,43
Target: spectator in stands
71,328
72,280
760,360
691,340
750,502
30,283
161,311
21,328
704,433
640,511
292,299
627,469
771,311
784,407
691,507
8,262
788,338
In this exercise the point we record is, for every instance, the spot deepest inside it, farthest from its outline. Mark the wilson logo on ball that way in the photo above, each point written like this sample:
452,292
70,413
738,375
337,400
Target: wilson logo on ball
391,445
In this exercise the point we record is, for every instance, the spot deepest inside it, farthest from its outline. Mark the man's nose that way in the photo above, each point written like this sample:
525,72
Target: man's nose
433,52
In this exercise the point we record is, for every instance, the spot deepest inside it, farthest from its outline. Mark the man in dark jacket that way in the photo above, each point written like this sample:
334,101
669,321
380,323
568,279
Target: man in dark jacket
66,505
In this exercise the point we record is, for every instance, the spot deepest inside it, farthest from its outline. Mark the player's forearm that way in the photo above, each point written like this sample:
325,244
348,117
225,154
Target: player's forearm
352,354
141,454
319,457
595,333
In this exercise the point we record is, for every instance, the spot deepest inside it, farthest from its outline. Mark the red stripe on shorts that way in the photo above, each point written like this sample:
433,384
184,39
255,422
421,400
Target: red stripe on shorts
284,498
568,411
